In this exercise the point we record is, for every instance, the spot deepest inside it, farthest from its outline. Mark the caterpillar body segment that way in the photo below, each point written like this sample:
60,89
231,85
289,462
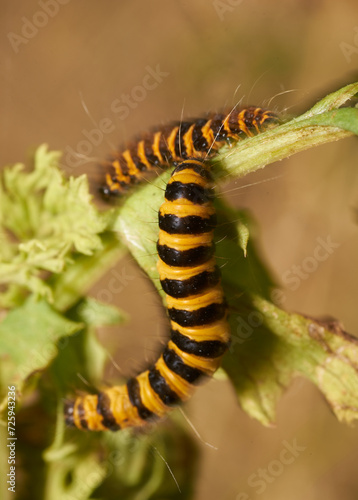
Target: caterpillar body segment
199,334
169,145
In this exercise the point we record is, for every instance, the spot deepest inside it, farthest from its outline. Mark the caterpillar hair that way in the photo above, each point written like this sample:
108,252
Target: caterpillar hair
196,308
166,146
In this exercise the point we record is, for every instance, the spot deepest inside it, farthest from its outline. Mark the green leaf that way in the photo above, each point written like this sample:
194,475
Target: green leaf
28,341
136,223
334,100
270,347
82,357
46,222
80,362
69,286
95,313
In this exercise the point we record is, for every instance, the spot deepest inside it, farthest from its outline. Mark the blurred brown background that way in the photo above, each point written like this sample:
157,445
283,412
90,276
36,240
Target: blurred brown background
84,55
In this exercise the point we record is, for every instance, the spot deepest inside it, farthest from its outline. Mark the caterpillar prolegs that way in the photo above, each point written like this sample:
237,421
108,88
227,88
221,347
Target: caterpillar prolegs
196,307
171,144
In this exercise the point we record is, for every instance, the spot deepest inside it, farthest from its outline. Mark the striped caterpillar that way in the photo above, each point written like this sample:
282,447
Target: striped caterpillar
196,307
169,145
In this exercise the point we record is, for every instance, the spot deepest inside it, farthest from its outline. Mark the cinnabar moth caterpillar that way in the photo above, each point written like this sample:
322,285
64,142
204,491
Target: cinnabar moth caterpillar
171,144
196,306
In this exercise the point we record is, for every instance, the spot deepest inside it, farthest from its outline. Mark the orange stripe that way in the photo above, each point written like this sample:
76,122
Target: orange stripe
119,173
208,133
132,167
242,124
156,147
187,140
171,142
142,156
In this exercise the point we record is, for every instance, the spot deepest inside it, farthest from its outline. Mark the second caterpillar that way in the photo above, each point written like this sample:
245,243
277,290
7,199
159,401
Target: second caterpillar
197,310
165,146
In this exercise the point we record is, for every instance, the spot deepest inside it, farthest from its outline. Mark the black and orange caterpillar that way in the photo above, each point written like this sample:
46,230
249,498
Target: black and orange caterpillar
167,146
197,310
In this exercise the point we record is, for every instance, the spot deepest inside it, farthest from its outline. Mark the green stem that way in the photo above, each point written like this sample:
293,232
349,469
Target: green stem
321,124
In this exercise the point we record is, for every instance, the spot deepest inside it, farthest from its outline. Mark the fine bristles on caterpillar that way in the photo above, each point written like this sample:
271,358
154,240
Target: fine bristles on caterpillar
169,145
196,306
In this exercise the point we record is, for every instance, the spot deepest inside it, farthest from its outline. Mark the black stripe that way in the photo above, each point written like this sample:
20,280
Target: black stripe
152,159
163,148
179,145
269,117
103,409
190,224
123,166
123,184
198,317
236,127
184,258
217,127
249,118
149,153
190,191
204,348
191,286
199,141
134,397
160,387
82,415
68,411
177,365
140,166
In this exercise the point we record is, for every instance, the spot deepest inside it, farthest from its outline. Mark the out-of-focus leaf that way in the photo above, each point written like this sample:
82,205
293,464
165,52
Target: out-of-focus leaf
69,286
45,221
28,341
96,313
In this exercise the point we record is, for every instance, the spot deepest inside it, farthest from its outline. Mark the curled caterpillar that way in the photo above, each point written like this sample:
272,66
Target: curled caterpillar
171,144
196,307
